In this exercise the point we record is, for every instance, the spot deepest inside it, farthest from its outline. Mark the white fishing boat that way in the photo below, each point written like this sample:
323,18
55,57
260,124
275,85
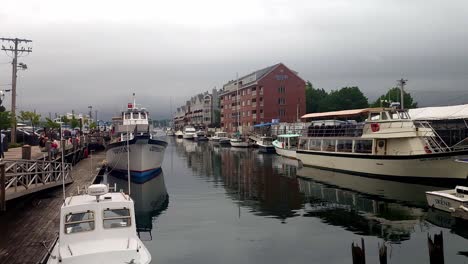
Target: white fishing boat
98,227
286,145
388,145
220,137
448,200
179,134
147,152
265,144
238,142
189,132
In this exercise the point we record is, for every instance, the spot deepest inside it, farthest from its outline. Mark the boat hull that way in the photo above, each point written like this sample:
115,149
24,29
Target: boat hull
146,157
239,144
266,149
442,203
428,166
289,153
188,136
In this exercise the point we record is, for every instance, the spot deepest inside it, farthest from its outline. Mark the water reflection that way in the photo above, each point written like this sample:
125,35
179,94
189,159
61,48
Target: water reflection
151,198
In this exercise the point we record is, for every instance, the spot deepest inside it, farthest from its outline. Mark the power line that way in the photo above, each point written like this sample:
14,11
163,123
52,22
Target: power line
16,50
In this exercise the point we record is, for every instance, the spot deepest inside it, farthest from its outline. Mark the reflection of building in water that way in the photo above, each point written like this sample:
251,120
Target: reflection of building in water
358,212
256,184
150,198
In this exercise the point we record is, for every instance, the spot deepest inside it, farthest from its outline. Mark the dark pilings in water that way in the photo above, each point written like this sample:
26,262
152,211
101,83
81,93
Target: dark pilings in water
436,248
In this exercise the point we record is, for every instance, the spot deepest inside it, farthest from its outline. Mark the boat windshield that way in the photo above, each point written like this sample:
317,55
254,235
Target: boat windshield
79,222
115,218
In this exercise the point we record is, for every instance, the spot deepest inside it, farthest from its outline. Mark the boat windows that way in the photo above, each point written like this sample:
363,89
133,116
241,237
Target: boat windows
329,145
116,218
302,143
344,146
315,144
143,115
293,142
383,116
79,222
363,146
374,116
128,115
403,115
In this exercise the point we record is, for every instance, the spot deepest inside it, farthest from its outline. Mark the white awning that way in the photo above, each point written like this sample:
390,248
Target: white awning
440,112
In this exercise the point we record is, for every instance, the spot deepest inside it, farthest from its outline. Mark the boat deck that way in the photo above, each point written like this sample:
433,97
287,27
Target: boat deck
30,224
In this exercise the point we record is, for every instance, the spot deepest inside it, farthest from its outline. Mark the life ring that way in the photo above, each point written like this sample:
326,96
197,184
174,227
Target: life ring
427,150
375,127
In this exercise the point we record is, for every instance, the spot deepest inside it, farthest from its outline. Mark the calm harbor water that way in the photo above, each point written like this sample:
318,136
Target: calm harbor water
216,204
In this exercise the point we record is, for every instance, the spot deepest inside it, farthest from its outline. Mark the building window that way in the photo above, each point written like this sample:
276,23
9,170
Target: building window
248,102
254,89
261,111
254,111
281,89
281,101
248,113
254,100
281,112
243,113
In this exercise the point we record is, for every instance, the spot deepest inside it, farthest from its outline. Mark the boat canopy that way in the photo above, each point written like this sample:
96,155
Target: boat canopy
289,135
264,124
440,112
342,113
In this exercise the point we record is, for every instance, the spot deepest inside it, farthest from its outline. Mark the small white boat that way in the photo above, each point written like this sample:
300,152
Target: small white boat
200,135
238,142
448,200
179,134
98,227
170,132
265,145
189,132
286,145
220,137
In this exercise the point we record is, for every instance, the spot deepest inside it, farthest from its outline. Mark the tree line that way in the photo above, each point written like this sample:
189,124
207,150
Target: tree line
318,100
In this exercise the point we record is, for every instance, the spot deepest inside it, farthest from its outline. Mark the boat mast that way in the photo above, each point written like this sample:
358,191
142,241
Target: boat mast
237,102
128,161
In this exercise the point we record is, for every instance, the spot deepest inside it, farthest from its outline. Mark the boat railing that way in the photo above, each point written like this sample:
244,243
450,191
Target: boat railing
344,130
435,141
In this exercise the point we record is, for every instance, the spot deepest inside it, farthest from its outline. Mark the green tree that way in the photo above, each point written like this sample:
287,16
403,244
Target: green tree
93,125
394,95
74,122
6,120
51,123
314,98
30,117
343,99
65,120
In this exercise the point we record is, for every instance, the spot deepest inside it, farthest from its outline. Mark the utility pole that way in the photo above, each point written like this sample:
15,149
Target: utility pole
15,49
402,83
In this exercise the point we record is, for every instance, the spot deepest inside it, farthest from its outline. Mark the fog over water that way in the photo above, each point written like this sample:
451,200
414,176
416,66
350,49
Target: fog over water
98,53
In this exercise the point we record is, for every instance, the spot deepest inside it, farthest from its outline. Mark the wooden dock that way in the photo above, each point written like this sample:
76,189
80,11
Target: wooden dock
31,223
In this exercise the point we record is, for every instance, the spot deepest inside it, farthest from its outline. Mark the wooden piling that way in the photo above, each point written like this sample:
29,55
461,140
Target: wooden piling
383,254
436,248
2,187
358,253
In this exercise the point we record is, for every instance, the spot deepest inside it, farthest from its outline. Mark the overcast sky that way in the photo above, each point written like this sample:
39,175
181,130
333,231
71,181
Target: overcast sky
98,53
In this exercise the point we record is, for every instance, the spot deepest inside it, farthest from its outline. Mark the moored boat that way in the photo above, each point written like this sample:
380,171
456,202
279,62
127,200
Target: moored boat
170,132
448,200
147,152
200,135
179,134
265,145
220,137
98,227
286,145
189,132
388,144
238,142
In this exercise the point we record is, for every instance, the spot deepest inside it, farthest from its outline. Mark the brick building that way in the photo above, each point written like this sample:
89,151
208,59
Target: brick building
275,92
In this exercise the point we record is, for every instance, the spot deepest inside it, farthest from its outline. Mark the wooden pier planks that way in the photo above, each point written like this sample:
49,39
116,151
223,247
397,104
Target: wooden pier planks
31,223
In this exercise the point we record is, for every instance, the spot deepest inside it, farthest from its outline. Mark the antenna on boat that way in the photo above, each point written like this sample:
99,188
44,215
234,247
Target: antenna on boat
128,157
134,101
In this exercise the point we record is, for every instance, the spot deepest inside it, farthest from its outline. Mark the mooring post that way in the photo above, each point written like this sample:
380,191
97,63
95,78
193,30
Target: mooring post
358,253
2,187
383,254
436,248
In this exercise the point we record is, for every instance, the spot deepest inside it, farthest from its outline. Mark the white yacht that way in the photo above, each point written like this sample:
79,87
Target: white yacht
286,145
388,144
189,132
200,135
179,134
448,200
147,151
265,144
238,142
98,227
